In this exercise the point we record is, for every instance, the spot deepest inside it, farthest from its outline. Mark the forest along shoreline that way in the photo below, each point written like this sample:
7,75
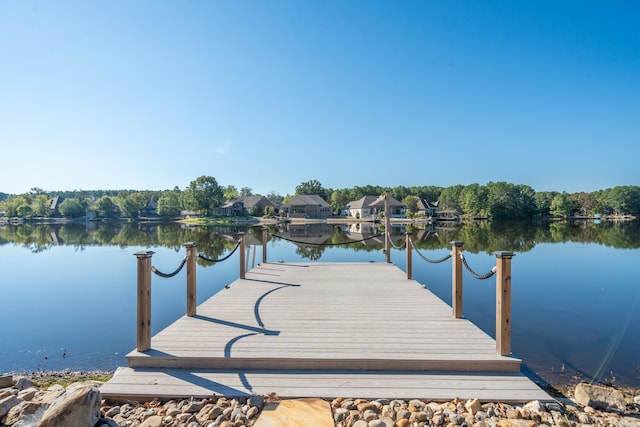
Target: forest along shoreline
46,398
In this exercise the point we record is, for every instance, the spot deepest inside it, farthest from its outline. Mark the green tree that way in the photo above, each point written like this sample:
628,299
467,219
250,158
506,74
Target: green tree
510,201
474,200
584,203
542,200
560,206
450,197
312,187
131,204
169,204
230,192
339,199
71,208
206,193
412,203
25,211
275,197
105,207
246,191
41,205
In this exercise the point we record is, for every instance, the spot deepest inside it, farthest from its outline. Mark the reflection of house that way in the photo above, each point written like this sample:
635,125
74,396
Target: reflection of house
151,210
246,205
305,206
370,206
428,209
54,206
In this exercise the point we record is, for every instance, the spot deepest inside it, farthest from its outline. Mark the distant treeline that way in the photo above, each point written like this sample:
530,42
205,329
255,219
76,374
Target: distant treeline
496,200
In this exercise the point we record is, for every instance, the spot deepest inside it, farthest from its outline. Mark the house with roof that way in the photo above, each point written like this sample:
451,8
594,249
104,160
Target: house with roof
372,206
54,206
361,208
246,205
429,210
306,206
149,211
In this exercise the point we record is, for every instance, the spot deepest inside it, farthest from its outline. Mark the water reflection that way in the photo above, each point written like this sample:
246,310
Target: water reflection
485,236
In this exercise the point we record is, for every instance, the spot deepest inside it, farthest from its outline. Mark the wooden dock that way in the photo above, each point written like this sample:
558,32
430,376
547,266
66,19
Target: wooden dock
323,330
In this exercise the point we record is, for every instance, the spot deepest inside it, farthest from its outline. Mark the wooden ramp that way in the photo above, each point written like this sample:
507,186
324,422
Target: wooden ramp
323,330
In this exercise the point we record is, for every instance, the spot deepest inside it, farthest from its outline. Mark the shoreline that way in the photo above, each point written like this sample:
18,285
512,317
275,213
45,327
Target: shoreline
26,398
45,378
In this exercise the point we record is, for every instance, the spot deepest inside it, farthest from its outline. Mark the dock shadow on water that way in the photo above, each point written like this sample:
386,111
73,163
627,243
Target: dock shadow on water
575,300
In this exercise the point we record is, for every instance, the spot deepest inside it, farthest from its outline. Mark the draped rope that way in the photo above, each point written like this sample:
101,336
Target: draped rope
392,244
476,275
431,261
177,270
324,244
204,258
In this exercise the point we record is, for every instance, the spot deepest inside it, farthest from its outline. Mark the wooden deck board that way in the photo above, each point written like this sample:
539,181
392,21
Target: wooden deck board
331,318
177,383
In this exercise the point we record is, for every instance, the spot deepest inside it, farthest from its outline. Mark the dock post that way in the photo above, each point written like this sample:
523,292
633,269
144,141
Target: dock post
265,237
456,279
387,227
191,278
409,254
242,255
144,300
503,303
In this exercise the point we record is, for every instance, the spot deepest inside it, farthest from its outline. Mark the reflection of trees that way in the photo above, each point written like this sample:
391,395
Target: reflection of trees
215,242
312,253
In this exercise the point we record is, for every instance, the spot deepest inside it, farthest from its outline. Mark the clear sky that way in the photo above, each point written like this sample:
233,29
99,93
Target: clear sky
269,94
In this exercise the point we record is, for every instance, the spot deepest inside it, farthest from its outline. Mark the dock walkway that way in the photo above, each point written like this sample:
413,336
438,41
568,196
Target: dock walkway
323,330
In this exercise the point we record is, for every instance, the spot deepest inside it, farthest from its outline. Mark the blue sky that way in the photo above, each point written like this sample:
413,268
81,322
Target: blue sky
269,94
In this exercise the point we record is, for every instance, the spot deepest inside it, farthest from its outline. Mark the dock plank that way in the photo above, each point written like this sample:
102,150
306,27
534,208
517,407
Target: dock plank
327,328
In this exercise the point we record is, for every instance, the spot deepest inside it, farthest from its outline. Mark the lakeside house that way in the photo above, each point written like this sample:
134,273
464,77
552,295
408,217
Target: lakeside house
430,210
361,208
306,206
186,214
149,211
245,206
54,206
371,206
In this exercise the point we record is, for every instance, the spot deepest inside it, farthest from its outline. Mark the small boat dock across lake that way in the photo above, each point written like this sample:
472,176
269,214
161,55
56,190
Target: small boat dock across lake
313,329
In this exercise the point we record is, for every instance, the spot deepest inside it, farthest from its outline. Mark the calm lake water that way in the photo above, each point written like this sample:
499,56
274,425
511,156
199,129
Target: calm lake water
68,292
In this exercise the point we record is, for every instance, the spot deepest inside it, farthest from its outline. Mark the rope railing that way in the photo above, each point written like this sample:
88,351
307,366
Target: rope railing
224,258
393,244
430,261
473,273
169,275
144,286
325,244
502,271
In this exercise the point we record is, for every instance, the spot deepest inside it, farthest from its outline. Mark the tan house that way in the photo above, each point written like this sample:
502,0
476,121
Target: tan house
306,206
361,208
246,205
371,206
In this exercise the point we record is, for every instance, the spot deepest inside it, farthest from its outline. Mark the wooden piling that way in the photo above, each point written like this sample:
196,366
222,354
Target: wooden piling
503,303
191,278
242,257
144,300
456,279
265,237
409,257
387,227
